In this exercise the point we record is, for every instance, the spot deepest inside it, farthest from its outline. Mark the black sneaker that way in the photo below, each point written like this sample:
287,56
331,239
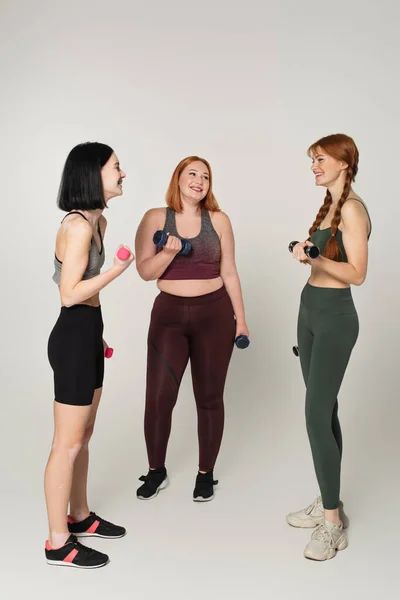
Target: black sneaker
204,488
95,526
154,481
74,554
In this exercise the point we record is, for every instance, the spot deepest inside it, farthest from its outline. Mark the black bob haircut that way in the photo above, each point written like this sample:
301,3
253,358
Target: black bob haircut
81,185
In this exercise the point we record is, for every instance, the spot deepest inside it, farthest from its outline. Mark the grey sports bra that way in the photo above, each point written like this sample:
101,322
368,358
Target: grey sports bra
96,257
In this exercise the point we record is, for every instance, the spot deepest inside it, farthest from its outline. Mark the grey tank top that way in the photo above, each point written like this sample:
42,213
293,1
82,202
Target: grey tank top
203,262
96,257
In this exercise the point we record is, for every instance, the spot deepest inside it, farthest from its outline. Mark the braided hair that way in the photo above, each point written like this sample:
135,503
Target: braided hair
341,147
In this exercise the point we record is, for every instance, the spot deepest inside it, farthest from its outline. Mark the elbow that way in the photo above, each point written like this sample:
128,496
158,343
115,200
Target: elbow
359,280
66,298
66,301
141,272
229,275
145,276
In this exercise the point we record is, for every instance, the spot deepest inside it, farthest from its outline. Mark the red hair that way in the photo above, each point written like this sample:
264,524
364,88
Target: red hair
341,147
173,197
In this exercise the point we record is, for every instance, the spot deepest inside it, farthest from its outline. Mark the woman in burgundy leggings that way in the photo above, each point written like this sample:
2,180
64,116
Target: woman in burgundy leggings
196,316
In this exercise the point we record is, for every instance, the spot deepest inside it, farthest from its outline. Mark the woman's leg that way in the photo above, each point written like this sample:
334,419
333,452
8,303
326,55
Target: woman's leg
168,355
75,351
333,343
79,508
211,345
305,339
70,423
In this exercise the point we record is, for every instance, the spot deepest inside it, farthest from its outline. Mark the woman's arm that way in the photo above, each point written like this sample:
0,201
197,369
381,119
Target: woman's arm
228,270
73,290
355,225
150,265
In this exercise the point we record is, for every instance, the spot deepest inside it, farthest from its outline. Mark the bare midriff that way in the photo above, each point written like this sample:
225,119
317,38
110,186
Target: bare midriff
319,278
189,287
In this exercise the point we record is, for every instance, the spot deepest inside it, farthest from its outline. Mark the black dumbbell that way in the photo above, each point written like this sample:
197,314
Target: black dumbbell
160,239
311,251
242,342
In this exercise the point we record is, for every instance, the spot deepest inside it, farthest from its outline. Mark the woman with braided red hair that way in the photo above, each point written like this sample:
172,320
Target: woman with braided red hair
328,330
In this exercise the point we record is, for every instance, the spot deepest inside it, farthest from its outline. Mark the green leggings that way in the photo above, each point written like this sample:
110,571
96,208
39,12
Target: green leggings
327,331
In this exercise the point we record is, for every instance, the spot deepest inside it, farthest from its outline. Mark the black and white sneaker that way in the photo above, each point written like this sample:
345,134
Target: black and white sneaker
74,554
154,481
95,526
204,488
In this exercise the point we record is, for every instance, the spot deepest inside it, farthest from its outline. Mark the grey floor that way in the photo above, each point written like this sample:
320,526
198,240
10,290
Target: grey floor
236,546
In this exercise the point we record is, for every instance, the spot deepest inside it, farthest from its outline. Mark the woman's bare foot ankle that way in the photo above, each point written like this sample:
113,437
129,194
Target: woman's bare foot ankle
57,540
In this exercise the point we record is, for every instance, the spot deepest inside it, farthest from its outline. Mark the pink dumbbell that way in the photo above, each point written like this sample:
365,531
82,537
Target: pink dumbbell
109,352
123,254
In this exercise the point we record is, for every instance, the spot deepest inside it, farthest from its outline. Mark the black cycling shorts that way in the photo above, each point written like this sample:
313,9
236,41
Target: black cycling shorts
76,354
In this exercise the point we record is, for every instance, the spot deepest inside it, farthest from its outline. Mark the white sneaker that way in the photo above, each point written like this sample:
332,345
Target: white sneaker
314,515
327,538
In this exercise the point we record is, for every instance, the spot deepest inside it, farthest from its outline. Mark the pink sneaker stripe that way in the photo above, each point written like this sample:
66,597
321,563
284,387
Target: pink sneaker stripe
93,527
71,520
71,556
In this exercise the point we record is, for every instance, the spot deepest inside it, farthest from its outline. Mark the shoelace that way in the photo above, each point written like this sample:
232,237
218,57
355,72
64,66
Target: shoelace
152,477
204,482
322,534
103,521
316,504
84,549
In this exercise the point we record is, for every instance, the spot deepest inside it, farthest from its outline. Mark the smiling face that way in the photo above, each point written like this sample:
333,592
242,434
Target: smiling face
327,170
194,182
112,177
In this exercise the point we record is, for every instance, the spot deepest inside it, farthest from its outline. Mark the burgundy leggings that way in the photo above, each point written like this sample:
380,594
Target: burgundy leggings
202,329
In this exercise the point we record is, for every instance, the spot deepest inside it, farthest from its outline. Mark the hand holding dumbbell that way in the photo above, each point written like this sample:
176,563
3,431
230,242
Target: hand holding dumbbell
160,238
310,251
108,352
123,253
242,342
123,258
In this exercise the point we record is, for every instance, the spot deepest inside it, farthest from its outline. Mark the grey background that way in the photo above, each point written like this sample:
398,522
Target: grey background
248,85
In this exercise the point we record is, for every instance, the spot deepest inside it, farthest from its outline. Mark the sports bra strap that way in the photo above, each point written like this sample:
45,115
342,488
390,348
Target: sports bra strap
75,212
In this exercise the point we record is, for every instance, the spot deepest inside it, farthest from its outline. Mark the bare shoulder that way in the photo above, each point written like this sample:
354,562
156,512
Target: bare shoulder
154,218
354,208
155,214
220,219
355,214
75,226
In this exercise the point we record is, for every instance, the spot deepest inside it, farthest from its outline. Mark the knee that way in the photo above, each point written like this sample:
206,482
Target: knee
210,401
70,448
73,445
316,420
160,406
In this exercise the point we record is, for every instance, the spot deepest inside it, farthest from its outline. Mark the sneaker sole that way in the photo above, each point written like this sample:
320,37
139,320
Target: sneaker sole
160,487
332,553
105,537
60,563
201,499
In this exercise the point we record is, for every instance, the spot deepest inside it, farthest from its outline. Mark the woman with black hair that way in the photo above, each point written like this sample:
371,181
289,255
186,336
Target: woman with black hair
92,176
